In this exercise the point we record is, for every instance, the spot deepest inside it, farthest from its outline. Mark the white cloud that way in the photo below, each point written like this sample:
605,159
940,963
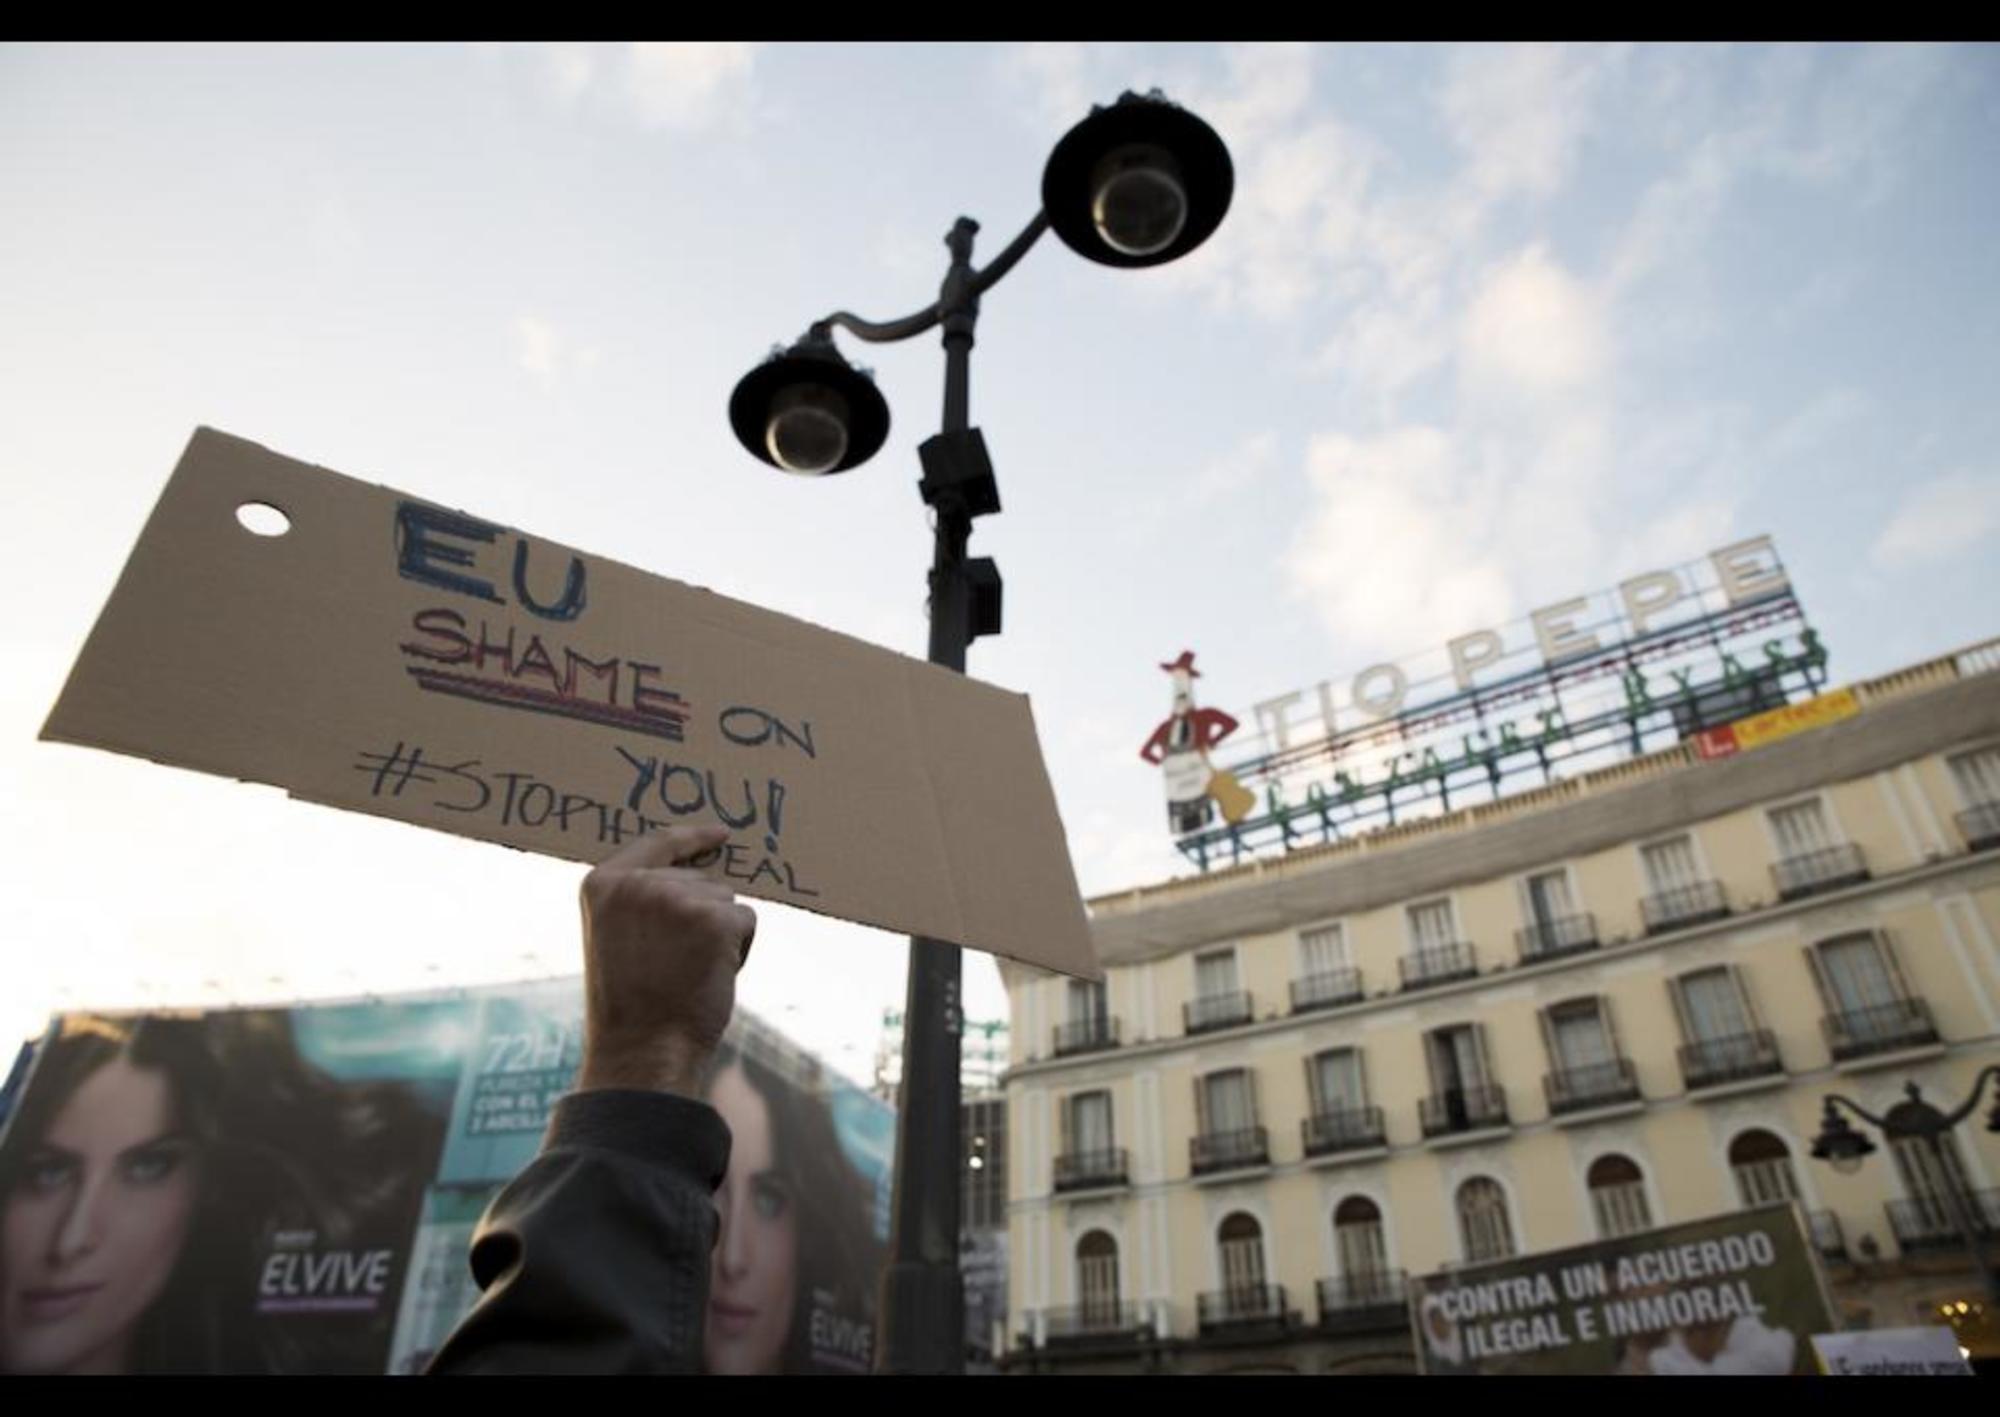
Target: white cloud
1236,471
1391,556
1533,332
570,69
688,86
1944,517
550,355
1521,111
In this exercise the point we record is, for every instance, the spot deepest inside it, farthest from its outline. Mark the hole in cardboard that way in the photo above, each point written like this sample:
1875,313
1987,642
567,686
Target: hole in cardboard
263,519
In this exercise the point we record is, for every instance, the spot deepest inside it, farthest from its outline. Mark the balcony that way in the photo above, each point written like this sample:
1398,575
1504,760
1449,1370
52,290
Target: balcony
1926,1223
1714,1062
1341,1129
1979,824
1092,1170
1684,905
1096,1322
1553,939
1439,964
1213,1011
1370,1302
1888,1028
1827,1236
1599,1085
1240,1306
1462,1109
1326,991
1086,1035
1229,1151
1816,871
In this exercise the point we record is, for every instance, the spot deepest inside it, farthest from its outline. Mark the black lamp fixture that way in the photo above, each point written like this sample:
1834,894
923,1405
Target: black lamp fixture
1839,1143
806,410
1139,183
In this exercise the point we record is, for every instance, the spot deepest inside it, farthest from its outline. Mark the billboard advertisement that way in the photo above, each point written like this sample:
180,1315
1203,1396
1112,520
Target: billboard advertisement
294,1190
1737,1294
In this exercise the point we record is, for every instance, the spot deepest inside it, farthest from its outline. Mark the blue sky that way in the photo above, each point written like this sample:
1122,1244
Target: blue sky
1486,327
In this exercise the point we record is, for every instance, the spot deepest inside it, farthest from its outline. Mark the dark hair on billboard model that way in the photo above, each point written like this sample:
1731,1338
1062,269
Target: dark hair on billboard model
839,1255
281,1146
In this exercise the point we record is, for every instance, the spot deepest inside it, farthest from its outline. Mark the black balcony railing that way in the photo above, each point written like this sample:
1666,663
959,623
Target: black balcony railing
1552,939
1827,1236
1823,870
1374,1301
1213,1011
1227,1151
1097,1321
1980,825
1736,1058
1086,1035
1597,1085
1241,1304
1325,991
1462,1109
1440,964
1925,1223
1885,1028
1684,905
1342,1129
1085,1170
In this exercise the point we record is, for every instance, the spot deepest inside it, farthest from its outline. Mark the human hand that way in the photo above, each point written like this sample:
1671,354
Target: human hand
662,943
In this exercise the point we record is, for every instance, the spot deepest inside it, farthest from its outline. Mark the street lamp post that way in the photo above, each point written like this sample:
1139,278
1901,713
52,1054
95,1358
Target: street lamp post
1915,1119
1137,183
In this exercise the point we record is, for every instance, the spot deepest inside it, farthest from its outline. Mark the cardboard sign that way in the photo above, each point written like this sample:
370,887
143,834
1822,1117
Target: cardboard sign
394,657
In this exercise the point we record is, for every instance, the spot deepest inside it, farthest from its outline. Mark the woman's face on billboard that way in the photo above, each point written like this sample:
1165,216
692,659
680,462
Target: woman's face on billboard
755,1277
94,1224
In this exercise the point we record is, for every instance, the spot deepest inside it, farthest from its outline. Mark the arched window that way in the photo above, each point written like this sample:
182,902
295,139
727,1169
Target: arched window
1097,1279
1618,1195
1242,1245
1762,1164
1357,1233
1482,1220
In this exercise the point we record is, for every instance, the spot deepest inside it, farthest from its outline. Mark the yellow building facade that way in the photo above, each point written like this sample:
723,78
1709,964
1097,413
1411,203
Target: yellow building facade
1608,1004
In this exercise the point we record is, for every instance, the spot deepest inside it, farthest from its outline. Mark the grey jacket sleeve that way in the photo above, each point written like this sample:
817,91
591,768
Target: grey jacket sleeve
595,1259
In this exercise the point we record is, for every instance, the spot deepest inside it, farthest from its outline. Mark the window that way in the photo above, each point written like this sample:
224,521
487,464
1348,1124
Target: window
1241,1245
1712,1006
983,1133
1670,865
1978,775
1215,974
1856,976
1618,1195
1097,1279
1228,1103
1925,1179
1762,1166
1577,1036
1430,925
1089,1123
1548,898
1357,1234
1323,950
1457,1059
1336,1080
1801,829
1482,1220
1086,1001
